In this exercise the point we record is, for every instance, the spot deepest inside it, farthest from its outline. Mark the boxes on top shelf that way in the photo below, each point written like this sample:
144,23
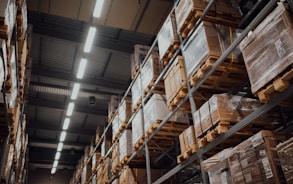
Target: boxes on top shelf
285,152
7,19
21,19
149,74
268,53
137,58
112,106
222,111
217,167
204,47
168,40
187,12
156,110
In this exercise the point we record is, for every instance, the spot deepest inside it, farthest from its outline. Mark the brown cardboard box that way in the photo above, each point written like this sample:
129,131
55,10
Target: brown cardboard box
268,50
285,152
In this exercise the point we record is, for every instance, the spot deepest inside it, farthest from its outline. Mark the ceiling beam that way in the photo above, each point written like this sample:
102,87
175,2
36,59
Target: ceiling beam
100,82
49,166
40,143
32,101
71,131
76,30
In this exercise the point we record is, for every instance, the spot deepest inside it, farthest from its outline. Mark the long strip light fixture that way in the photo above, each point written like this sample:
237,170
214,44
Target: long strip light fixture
90,39
98,8
81,69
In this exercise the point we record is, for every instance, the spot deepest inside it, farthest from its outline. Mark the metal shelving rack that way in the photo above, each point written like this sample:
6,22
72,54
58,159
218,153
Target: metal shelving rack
191,90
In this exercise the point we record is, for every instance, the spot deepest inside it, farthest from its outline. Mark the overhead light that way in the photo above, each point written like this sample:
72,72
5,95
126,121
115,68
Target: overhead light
57,156
81,68
90,39
75,91
70,109
98,8
66,123
53,170
60,146
55,163
62,136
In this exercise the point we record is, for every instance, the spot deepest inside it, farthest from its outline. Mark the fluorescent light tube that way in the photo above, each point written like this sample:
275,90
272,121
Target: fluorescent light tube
57,156
60,146
70,109
75,91
90,39
98,8
55,163
66,123
81,68
62,136
53,170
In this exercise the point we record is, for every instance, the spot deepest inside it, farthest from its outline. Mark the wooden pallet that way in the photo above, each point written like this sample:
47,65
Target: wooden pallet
178,97
124,160
138,143
159,89
135,71
279,84
218,18
135,108
170,131
228,76
187,153
4,32
170,51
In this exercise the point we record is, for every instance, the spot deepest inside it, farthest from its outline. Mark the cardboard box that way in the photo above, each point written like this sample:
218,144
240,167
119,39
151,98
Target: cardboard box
150,70
136,91
7,19
113,105
256,160
137,127
187,139
175,79
224,108
268,50
125,144
124,112
285,152
208,40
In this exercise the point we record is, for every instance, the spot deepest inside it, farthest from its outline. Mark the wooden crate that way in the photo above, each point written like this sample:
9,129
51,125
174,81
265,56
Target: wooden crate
221,112
168,39
187,12
268,54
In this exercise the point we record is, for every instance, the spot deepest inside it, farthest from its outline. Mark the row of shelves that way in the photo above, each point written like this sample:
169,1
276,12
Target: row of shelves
15,39
189,97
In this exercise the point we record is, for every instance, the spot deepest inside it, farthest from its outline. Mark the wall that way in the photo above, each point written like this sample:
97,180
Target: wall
43,176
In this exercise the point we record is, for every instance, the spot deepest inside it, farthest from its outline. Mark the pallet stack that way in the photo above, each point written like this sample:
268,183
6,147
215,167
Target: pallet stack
15,46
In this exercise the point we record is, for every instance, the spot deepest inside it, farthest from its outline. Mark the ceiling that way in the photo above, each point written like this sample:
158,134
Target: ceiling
57,47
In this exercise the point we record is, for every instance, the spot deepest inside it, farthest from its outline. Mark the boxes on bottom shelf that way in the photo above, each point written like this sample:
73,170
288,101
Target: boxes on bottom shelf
268,53
285,152
86,173
255,160
137,176
7,163
217,167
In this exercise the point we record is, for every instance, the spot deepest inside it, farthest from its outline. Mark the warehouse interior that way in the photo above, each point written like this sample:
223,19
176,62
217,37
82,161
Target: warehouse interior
57,34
